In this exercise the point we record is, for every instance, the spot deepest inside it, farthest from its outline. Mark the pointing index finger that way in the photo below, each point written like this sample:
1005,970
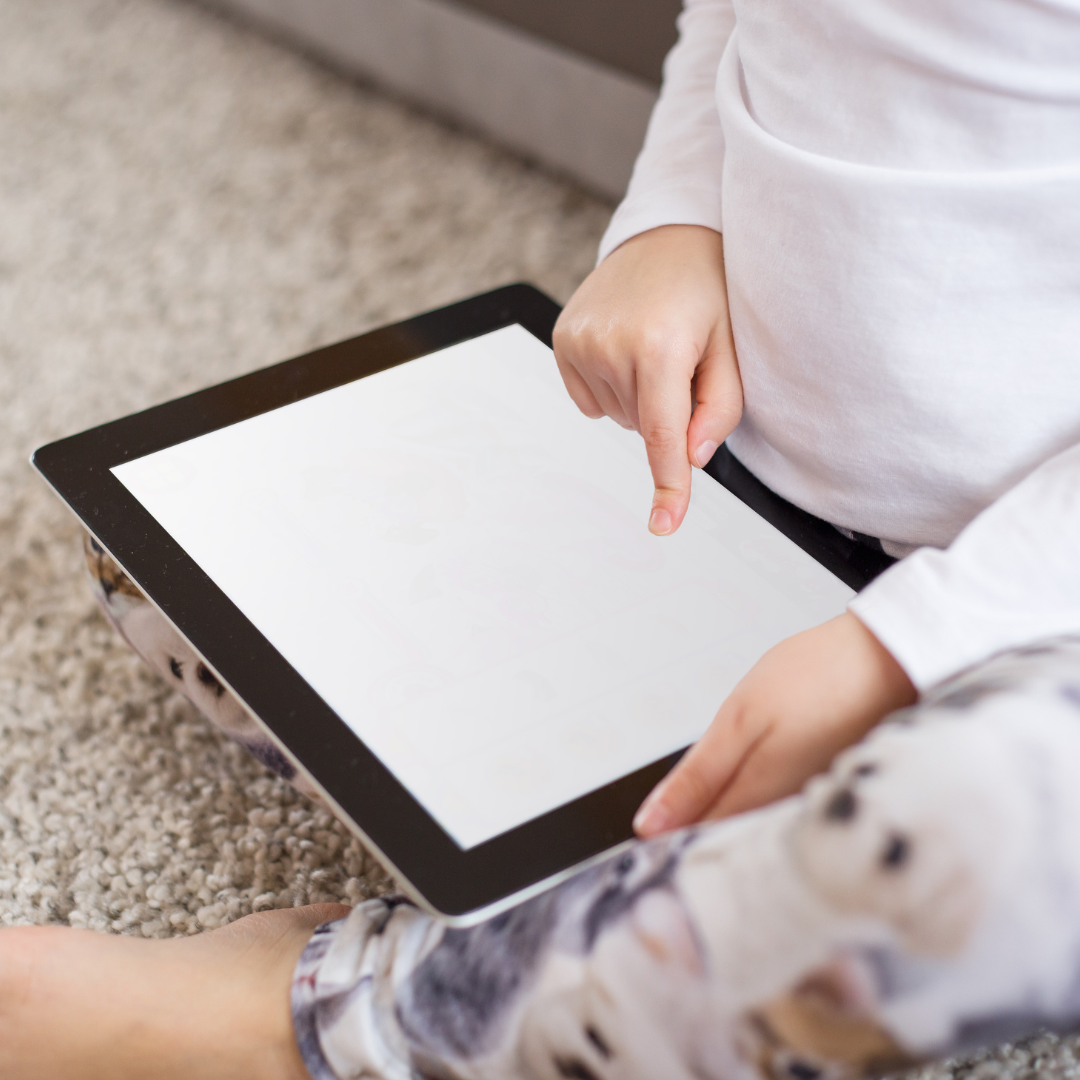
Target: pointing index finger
664,407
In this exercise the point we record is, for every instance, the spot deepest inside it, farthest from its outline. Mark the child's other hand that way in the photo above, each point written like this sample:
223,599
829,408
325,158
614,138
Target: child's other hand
645,335
802,703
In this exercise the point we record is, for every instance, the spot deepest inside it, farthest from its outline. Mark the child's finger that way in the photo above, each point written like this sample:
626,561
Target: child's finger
664,415
579,391
765,775
592,395
718,389
609,400
701,777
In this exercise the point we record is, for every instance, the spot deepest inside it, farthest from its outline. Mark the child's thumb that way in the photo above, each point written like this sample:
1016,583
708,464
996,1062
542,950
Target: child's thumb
718,390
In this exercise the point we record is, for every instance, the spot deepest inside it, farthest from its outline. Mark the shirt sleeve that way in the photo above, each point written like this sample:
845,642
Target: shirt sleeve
1011,578
676,179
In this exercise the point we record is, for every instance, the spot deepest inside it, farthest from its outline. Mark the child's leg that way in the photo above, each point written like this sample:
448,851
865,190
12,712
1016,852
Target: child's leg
149,633
920,899
81,1005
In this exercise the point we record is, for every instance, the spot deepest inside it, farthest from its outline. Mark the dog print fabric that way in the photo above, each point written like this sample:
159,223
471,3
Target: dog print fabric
152,636
920,899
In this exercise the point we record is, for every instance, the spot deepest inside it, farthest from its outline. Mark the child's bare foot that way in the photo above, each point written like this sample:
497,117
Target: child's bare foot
83,1006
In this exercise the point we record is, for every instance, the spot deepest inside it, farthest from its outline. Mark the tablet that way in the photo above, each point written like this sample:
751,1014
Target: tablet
429,577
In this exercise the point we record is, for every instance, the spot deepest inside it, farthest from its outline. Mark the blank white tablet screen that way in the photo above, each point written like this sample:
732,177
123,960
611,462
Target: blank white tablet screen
458,562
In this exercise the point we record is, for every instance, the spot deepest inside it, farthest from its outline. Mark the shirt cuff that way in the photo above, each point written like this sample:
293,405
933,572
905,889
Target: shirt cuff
938,618
684,205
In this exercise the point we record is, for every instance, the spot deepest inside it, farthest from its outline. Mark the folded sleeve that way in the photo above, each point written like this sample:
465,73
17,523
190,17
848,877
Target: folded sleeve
676,179
1011,578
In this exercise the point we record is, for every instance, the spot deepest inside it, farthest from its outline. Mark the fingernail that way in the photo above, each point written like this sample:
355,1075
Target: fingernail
705,452
652,817
660,522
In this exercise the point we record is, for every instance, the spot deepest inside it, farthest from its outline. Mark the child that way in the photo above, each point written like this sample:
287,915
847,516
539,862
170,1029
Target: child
851,250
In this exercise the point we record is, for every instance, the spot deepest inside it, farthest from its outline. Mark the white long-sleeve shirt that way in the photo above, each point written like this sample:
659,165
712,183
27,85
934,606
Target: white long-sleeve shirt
898,185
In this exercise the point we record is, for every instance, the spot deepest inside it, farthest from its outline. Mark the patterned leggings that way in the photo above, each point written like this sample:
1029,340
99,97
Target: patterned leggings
920,899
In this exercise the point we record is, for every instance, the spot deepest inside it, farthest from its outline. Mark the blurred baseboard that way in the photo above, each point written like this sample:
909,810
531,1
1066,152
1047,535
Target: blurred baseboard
562,109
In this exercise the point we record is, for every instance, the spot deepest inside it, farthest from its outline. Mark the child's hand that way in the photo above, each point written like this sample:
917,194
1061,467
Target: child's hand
647,333
797,708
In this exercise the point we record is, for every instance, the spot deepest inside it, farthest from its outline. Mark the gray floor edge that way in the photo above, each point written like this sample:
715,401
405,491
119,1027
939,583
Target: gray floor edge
566,112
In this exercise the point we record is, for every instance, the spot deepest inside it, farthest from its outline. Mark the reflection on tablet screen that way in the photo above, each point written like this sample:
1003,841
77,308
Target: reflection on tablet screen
457,561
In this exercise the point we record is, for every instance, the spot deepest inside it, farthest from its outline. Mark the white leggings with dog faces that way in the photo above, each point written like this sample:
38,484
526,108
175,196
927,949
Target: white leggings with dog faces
920,899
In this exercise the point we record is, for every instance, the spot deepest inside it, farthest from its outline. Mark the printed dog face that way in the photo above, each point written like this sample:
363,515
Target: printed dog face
638,1005
825,1028
894,832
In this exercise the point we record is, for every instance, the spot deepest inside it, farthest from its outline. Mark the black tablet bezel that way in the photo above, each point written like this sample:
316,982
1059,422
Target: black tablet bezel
453,881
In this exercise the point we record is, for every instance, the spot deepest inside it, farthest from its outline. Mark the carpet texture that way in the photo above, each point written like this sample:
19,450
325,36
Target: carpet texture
182,201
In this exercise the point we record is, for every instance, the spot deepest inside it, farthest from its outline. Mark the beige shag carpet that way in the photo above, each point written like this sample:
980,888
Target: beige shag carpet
182,201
